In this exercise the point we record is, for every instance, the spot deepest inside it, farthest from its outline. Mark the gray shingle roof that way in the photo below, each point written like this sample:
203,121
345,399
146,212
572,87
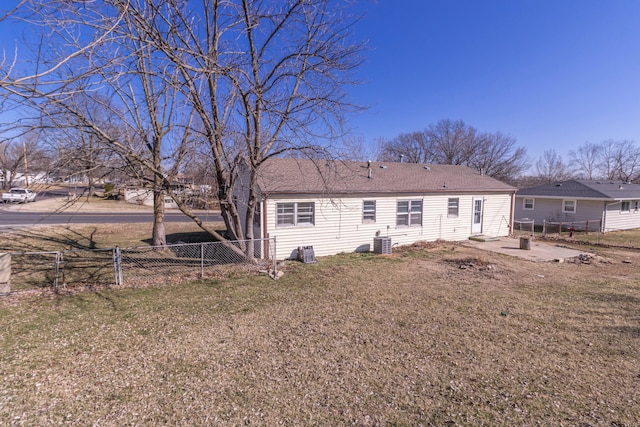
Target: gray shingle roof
585,189
303,176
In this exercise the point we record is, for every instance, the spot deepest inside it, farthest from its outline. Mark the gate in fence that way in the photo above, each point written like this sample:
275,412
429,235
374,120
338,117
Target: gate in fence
140,265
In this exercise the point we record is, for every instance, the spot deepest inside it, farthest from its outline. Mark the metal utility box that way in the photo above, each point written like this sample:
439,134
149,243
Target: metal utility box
382,245
306,255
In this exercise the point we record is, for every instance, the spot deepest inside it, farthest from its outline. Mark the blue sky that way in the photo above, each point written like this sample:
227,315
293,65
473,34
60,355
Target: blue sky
554,74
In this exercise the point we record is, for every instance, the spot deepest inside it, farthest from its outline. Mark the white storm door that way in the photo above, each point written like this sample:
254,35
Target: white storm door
476,225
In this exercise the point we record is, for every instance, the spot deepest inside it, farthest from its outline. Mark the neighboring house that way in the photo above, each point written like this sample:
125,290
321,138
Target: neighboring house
144,196
21,180
338,206
615,203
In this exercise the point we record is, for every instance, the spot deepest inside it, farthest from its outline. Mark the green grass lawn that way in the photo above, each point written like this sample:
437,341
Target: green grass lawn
444,335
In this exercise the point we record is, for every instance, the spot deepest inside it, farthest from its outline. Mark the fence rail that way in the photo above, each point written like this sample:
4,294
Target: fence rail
140,265
571,227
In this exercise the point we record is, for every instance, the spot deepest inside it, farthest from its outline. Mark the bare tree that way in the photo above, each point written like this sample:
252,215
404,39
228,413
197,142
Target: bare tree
249,79
12,158
620,159
454,142
551,167
585,160
261,77
414,147
496,155
355,148
21,156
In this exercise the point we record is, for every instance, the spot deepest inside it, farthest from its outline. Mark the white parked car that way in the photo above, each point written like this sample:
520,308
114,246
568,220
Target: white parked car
19,195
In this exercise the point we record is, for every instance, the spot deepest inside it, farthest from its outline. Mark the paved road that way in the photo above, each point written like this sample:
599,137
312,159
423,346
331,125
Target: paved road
11,219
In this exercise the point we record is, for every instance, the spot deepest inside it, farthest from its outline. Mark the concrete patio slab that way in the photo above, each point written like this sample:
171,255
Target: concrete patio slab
539,252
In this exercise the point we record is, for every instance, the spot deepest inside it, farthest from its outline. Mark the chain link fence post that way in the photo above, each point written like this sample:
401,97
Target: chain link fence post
273,257
202,260
117,265
59,267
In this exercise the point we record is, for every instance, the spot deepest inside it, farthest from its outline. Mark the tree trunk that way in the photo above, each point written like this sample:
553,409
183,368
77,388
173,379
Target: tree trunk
159,233
92,186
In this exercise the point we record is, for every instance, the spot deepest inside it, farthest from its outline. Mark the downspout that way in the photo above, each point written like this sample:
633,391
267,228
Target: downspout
263,233
512,217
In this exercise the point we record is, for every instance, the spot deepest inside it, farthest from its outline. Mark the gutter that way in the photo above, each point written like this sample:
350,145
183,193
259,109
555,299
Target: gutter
264,233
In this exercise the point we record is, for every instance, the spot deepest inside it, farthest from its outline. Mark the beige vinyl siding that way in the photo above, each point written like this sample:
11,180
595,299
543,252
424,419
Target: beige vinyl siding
617,220
497,212
546,209
339,225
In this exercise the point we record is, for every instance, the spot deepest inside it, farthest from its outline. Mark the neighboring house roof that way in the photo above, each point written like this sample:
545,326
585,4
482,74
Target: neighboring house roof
585,189
304,176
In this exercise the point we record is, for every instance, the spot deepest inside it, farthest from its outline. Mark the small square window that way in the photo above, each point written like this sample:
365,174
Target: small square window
527,204
569,206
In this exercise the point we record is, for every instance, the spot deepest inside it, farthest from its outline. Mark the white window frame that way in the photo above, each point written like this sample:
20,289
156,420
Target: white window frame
368,211
564,206
411,215
524,204
628,206
453,207
297,214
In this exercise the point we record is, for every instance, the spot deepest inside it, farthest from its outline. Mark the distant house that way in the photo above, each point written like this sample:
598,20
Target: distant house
19,179
338,206
615,203
144,196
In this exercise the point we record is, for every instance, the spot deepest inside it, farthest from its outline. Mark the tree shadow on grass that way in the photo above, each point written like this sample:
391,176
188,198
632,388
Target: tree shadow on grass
187,237
49,239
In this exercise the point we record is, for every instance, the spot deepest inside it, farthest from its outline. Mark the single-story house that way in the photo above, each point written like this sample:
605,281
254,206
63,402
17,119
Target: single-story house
340,206
614,204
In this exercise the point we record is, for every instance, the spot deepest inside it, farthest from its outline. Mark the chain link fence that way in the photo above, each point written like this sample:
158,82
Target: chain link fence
137,266
571,228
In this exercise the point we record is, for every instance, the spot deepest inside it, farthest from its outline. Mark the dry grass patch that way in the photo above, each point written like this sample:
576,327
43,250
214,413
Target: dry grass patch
407,339
97,236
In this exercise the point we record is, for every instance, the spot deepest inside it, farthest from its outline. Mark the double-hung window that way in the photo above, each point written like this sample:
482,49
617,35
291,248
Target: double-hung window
295,214
626,206
368,211
409,213
527,204
569,206
453,207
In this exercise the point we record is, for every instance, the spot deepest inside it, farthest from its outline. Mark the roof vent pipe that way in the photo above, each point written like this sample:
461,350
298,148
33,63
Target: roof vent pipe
369,173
